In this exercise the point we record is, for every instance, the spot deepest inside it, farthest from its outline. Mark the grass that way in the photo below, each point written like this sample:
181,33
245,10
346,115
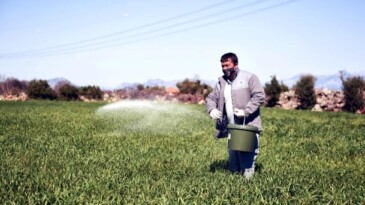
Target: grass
80,153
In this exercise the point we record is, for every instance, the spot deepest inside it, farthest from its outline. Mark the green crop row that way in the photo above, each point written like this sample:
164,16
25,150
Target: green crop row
165,153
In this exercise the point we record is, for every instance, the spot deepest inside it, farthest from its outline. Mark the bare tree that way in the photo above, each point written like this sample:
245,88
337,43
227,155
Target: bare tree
2,85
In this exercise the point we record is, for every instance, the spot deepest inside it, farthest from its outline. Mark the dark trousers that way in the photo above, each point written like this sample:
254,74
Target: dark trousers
243,162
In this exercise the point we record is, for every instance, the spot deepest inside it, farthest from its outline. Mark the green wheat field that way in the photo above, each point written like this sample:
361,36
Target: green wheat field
165,153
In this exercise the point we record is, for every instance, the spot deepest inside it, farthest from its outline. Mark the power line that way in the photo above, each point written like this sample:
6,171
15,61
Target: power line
62,52
121,32
141,33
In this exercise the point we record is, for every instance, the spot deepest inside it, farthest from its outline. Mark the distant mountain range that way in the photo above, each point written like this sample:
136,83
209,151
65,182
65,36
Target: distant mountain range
161,83
331,82
149,83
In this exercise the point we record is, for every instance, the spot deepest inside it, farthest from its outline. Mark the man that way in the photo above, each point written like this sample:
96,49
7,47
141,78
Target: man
237,95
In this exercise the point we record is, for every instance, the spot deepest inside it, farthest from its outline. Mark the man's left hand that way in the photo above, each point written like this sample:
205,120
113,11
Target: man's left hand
239,113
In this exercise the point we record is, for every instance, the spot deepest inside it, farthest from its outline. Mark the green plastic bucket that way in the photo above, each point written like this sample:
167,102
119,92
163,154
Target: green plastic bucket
242,137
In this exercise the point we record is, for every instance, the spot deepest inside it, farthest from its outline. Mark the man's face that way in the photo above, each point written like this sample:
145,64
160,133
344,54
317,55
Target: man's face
228,67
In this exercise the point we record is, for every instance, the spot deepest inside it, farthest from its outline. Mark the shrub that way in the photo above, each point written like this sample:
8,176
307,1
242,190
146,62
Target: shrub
39,89
353,88
304,89
193,87
68,92
140,87
206,90
12,86
156,88
188,87
60,84
272,91
91,92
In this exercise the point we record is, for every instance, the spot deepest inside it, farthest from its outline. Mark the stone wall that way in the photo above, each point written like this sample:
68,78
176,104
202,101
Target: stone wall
327,100
19,97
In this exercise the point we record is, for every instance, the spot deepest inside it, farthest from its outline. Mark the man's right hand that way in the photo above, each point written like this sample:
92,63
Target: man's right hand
215,114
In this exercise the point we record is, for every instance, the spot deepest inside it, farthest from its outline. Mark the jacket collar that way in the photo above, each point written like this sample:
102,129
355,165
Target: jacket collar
225,80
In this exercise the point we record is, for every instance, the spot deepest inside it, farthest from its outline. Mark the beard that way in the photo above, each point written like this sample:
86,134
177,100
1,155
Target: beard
229,72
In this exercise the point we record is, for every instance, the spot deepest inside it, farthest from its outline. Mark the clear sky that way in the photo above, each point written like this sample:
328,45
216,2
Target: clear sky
108,42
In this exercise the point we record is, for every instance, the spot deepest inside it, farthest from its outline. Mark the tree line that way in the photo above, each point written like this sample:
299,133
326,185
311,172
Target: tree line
352,87
40,89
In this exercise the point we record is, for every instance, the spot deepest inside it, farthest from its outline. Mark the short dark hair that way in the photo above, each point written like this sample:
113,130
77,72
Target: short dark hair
231,56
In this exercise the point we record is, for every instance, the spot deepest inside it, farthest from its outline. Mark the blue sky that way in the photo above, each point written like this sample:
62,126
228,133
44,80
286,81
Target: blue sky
109,42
